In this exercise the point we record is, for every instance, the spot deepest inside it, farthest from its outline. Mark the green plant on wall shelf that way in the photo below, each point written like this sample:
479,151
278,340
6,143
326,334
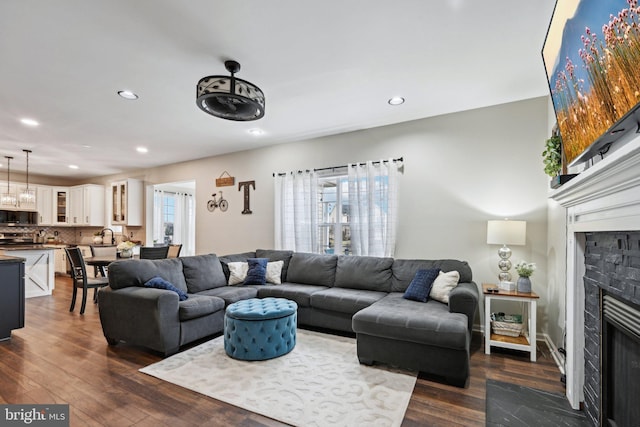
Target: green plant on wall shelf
552,156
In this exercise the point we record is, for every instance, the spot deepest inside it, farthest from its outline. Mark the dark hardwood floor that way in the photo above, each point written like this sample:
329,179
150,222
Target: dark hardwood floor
62,357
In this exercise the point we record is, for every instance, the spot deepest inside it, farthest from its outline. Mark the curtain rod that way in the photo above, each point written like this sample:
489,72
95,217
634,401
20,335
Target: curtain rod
400,159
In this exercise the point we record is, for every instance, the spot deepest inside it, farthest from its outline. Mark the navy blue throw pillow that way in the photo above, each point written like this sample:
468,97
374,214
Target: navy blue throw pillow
257,273
160,283
420,286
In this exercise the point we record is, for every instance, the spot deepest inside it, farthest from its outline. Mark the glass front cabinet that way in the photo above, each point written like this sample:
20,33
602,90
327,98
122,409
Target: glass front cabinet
126,202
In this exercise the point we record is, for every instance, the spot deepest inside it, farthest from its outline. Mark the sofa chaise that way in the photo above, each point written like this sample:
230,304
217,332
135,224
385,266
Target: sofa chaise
354,294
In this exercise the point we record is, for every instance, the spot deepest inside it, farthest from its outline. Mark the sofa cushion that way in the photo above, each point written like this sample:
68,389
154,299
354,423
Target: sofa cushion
364,272
202,272
301,294
420,287
241,257
257,271
274,272
135,272
237,272
405,269
198,306
277,255
428,323
345,300
312,269
443,285
231,294
160,283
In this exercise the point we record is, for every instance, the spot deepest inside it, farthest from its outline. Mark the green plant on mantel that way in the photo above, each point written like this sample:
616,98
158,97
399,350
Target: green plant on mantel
552,156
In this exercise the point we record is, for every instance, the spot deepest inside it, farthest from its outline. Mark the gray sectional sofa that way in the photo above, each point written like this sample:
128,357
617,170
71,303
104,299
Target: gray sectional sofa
355,294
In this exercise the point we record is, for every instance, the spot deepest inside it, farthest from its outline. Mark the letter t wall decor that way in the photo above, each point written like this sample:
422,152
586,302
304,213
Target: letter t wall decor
247,199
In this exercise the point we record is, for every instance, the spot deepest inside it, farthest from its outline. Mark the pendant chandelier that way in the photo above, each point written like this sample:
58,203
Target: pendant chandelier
27,196
8,198
230,98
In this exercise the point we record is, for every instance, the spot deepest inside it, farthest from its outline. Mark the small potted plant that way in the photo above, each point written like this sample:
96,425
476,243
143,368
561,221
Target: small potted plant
126,249
525,270
97,238
552,158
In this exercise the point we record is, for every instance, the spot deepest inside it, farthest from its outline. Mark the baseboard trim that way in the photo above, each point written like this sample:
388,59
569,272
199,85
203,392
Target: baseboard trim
557,356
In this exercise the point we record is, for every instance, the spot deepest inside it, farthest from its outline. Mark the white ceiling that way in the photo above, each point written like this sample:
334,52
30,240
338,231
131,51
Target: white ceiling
325,67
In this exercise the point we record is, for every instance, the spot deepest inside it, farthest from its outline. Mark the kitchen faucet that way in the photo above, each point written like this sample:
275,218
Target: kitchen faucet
113,237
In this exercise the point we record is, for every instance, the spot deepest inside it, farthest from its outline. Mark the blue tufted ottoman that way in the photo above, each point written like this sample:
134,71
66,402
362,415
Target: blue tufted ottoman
260,329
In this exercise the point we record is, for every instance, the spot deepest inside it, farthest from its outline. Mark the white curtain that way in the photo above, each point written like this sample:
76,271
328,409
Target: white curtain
184,220
296,211
373,204
184,230
158,220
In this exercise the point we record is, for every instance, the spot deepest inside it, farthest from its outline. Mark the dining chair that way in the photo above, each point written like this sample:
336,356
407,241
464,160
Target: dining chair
153,252
80,279
174,250
106,252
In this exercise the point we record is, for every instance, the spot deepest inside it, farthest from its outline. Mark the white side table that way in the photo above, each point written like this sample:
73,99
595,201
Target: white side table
525,342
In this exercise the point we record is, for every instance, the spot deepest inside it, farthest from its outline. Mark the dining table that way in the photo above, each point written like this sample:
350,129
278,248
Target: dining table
102,262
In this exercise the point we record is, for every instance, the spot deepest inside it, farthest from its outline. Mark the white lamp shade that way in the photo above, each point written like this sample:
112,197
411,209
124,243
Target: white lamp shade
506,232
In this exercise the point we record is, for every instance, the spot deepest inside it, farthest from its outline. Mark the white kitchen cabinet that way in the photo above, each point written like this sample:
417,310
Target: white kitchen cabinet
86,205
44,205
60,200
60,261
126,202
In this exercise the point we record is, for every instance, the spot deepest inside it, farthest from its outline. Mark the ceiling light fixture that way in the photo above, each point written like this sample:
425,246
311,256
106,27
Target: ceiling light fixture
256,132
27,196
396,100
127,94
29,122
142,149
230,98
73,167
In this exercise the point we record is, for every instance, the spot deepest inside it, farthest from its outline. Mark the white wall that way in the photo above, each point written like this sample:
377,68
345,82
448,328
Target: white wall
460,170
556,260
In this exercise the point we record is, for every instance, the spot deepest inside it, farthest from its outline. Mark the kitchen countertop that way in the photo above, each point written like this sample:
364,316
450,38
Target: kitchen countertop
9,248
11,259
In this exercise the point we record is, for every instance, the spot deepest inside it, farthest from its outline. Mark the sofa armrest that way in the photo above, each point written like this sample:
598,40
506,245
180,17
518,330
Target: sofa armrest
141,316
464,299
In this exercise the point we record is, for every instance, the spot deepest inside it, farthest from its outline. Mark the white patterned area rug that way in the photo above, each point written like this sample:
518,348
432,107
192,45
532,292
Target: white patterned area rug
319,383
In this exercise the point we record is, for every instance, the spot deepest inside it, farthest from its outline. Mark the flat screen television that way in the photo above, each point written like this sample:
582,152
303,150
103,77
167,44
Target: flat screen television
591,56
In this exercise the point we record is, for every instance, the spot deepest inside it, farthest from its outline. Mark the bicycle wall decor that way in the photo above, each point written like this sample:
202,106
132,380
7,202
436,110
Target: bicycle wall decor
217,203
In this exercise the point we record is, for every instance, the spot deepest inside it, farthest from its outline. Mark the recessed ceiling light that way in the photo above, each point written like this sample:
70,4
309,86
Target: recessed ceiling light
127,94
142,149
86,146
29,122
396,100
256,132
73,167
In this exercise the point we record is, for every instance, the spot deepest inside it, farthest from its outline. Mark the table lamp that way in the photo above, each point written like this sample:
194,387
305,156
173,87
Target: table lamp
506,232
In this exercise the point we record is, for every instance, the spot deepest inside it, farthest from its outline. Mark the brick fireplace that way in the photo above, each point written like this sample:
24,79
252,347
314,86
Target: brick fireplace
603,264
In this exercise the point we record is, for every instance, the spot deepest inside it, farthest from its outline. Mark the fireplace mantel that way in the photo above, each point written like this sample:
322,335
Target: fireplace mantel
605,197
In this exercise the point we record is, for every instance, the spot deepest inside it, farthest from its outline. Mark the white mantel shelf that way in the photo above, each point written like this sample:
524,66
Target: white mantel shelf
605,197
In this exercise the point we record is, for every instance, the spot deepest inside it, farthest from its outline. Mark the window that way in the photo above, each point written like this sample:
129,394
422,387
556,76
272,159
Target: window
168,218
349,213
334,230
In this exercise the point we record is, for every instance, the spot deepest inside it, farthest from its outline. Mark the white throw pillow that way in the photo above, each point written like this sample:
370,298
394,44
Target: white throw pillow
237,272
443,285
274,271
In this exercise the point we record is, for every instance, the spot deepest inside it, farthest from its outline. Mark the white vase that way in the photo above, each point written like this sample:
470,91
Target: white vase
97,240
126,253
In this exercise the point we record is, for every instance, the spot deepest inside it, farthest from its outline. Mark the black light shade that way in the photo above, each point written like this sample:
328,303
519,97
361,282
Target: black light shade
230,98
